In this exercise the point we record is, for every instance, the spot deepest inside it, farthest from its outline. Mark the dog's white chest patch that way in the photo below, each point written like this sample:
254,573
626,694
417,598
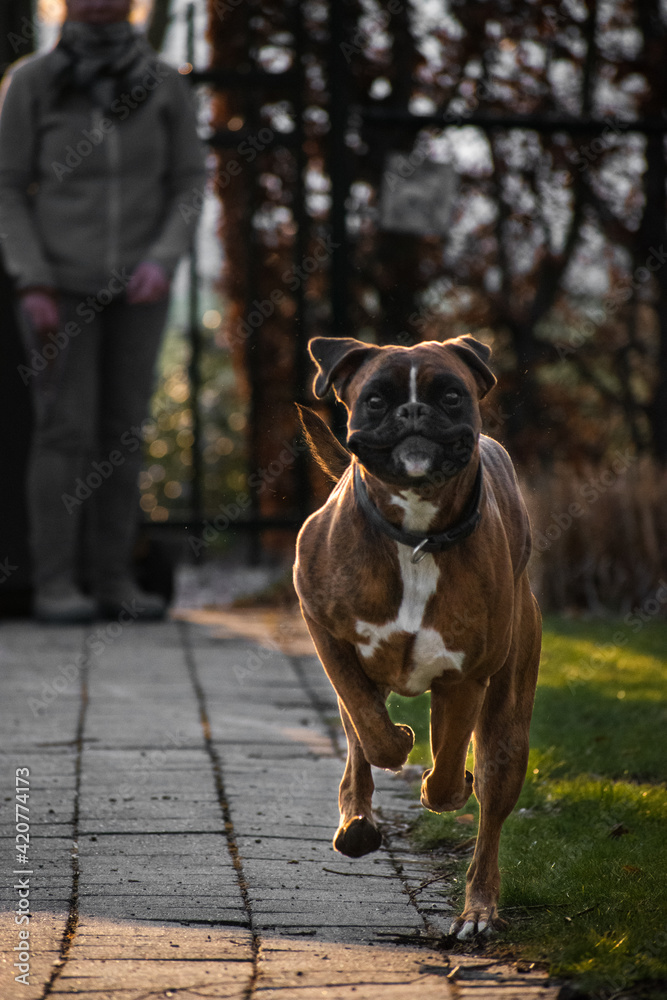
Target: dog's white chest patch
429,655
418,513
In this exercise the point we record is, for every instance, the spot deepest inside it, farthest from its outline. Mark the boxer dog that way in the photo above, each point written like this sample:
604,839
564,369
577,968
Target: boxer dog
412,577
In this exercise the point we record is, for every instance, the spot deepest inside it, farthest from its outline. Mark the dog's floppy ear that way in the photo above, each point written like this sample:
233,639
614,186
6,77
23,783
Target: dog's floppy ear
475,354
337,358
326,449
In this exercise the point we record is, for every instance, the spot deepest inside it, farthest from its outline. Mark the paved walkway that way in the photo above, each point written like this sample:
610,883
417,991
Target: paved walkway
182,789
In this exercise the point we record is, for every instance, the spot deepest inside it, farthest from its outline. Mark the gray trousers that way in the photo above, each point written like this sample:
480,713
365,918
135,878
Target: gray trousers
91,388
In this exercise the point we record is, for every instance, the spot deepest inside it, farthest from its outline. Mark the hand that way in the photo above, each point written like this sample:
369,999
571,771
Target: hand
149,283
41,308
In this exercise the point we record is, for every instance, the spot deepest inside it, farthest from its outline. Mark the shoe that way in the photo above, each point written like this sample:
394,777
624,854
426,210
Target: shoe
124,597
63,604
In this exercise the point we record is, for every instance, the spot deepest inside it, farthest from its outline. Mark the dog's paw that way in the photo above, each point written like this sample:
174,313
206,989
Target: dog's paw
391,756
476,921
357,837
438,800
406,740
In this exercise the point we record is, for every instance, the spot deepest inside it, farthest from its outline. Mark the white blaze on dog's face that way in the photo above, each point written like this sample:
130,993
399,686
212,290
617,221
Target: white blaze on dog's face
413,383
416,461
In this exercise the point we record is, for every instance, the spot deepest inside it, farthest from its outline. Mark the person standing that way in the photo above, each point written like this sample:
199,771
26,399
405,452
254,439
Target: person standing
100,164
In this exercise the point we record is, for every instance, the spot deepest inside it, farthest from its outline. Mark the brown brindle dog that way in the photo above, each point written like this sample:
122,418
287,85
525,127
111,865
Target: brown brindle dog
412,577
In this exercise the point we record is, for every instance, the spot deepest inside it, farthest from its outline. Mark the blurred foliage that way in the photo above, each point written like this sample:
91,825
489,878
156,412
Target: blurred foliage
554,253
599,535
166,480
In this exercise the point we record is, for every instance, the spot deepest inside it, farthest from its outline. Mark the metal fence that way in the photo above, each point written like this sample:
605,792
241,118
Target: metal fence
256,85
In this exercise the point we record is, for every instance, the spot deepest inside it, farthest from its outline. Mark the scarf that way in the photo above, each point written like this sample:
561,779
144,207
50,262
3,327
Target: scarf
101,60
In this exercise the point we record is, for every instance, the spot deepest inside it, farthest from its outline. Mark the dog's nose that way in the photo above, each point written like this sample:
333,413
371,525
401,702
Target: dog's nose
412,413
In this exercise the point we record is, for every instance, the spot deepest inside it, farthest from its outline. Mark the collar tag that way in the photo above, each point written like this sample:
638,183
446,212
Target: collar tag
419,552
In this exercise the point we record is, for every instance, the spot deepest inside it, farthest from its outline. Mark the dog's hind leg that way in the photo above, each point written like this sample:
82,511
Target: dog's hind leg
454,711
357,834
501,757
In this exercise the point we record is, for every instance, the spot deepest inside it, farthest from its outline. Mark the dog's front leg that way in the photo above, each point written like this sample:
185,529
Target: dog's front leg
383,743
357,834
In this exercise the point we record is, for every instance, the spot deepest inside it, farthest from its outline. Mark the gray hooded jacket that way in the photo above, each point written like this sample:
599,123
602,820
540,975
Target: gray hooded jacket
87,192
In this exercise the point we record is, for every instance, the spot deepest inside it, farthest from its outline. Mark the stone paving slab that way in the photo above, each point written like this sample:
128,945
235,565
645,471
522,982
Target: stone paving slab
310,971
46,932
118,960
182,803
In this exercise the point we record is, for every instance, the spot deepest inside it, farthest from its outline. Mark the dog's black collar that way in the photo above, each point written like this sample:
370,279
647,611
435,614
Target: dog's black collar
421,544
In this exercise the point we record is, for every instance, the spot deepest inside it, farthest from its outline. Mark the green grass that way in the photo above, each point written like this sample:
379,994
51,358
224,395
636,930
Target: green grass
589,902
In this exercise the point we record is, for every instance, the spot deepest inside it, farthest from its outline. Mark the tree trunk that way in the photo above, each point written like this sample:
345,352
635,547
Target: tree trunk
159,22
17,37
652,233
653,236
18,30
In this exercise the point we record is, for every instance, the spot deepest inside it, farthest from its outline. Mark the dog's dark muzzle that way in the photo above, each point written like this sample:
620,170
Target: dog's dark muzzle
458,450
416,442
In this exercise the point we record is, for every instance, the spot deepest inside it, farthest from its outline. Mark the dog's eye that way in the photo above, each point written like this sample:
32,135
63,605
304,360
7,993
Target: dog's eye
375,403
452,397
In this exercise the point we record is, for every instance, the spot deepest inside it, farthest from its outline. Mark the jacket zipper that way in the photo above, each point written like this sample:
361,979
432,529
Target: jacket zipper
112,141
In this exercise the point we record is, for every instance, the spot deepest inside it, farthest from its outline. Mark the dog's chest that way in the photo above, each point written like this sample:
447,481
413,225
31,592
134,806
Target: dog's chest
404,652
